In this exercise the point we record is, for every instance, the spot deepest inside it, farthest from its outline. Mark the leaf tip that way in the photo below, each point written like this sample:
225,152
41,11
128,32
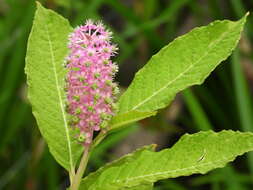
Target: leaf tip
38,4
244,18
153,147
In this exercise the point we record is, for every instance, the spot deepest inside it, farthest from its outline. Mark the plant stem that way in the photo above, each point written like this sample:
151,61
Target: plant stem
71,176
79,174
76,179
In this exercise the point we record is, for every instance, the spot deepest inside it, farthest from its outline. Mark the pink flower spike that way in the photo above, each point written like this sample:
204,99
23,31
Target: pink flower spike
90,88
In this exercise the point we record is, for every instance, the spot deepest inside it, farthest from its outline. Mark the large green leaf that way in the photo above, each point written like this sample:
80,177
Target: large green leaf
47,48
192,154
89,181
187,61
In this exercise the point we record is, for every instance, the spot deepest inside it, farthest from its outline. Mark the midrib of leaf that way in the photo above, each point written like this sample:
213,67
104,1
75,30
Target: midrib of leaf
171,171
124,122
60,98
210,47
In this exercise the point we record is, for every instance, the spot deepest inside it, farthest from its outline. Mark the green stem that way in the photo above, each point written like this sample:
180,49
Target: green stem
71,175
76,179
79,174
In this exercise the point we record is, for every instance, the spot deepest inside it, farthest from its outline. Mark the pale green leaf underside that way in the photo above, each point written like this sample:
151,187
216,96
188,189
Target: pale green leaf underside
47,48
192,154
186,61
89,182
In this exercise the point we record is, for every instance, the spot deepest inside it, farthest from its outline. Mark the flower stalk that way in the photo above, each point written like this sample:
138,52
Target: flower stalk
81,169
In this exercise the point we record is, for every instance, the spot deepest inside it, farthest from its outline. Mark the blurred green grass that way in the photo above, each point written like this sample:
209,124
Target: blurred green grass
140,29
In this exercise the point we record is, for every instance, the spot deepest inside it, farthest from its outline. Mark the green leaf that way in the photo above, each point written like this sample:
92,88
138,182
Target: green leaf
187,61
47,48
192,154
129,117
88,182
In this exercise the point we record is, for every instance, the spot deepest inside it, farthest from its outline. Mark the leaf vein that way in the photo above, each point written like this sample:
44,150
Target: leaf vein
181,74
60,97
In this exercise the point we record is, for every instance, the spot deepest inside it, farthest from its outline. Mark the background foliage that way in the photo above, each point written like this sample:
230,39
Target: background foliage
141,28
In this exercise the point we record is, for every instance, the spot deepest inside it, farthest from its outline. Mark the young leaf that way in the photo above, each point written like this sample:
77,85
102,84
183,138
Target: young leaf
186,61
47,48
192,154
88,182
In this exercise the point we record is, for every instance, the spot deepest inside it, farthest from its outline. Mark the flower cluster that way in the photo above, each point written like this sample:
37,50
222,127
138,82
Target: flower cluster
89,84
